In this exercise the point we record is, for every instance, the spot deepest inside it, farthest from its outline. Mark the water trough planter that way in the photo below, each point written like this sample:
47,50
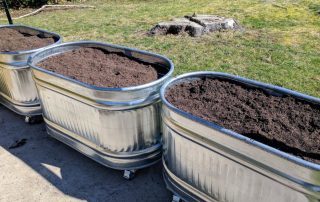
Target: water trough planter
205,162
17,89
117,127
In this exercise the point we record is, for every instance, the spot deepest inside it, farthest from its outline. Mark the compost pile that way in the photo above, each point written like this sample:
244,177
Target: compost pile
100,68
285,123
12,40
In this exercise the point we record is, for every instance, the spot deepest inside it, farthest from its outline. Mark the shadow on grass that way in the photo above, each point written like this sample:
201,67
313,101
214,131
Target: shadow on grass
79,177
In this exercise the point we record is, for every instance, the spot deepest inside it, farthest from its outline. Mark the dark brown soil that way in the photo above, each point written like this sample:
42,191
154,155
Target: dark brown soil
285,123
100,68
13,40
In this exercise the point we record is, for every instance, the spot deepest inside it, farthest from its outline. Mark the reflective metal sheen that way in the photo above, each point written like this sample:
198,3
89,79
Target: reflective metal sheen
206,162
17,89
118,127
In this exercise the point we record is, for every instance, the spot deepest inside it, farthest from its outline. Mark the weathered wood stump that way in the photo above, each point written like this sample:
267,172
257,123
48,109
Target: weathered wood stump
195,25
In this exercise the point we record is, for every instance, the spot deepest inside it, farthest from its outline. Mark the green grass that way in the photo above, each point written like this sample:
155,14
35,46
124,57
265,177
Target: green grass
280,45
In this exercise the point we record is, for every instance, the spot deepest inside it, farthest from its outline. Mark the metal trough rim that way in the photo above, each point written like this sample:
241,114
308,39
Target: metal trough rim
233,134
34,59
32,50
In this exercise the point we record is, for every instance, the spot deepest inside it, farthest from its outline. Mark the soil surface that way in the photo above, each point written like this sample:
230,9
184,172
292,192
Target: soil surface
285,123
12,40
99,68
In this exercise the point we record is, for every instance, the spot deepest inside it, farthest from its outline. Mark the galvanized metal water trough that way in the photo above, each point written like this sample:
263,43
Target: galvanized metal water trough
117,127
205,162
17,89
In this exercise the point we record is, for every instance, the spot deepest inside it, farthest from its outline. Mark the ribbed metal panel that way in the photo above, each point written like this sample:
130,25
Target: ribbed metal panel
117,131
219,177
17,85
4,89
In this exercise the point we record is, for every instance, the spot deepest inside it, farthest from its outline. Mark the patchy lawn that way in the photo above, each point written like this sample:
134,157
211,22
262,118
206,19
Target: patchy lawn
280,44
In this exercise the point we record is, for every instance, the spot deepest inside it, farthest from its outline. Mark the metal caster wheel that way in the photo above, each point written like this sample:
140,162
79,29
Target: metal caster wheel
129,174
176,198
33,119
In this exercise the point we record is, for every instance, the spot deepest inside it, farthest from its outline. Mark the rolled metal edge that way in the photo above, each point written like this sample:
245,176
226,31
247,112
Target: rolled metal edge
29,110
116,98
10,58
118,161
61,48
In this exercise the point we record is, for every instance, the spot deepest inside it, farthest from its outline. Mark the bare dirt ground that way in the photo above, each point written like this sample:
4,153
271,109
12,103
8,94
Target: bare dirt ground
44,169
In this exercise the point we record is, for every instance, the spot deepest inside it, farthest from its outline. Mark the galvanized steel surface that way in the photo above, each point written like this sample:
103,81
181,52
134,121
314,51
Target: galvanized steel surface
17,89
113,123
204,161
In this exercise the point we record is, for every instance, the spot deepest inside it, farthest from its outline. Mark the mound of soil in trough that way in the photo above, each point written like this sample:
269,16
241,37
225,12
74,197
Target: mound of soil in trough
100,68
285,123
13,40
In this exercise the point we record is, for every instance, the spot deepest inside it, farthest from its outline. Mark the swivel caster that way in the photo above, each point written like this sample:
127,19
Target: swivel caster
176,198
129,174
33,119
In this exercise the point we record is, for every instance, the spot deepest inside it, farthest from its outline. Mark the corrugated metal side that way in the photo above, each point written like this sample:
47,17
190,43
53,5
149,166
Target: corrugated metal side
114,130
17,85
219,177
4,90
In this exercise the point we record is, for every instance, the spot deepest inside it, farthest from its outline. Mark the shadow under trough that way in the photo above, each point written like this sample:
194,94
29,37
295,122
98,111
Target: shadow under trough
78,176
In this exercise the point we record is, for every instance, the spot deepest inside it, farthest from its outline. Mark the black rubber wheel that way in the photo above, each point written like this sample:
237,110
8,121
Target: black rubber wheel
33,119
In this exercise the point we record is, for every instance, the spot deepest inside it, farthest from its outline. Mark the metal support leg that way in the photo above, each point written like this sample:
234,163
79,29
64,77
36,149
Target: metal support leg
6,8
129,174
